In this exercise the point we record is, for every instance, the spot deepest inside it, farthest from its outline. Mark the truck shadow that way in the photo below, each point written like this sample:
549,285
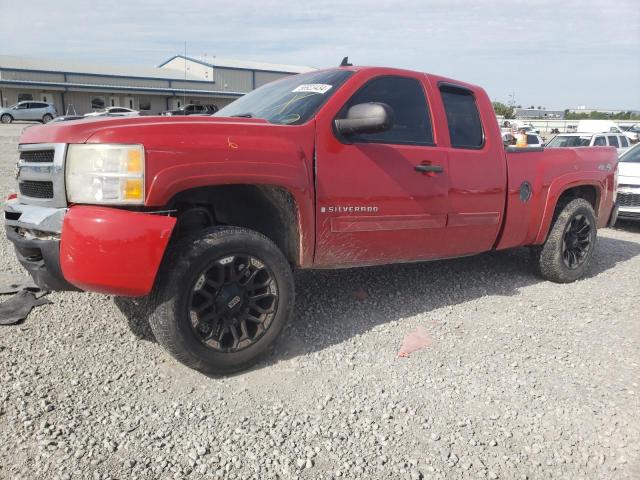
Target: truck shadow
328,311
628,225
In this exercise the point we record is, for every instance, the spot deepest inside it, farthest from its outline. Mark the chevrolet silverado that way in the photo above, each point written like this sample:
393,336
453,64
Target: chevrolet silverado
351,166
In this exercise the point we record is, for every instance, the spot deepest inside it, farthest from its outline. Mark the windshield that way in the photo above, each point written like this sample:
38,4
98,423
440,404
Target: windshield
290,101
632,155
569,141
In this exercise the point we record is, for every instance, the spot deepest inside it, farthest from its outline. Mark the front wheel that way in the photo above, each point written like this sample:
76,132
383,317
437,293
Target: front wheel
6,118
566,254
221,299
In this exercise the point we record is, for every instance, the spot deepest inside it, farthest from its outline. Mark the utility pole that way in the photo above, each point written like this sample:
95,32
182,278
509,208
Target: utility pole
184,90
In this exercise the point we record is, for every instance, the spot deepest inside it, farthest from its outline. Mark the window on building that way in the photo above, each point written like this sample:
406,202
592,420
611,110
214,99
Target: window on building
405,96
23,97
97,103
613,141
463,118
145,105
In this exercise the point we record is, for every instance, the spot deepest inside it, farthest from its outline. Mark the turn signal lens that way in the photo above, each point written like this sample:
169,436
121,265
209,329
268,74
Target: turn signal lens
133,189
134,161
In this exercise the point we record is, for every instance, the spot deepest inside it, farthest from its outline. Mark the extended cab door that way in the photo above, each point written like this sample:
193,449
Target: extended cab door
374,205
477,168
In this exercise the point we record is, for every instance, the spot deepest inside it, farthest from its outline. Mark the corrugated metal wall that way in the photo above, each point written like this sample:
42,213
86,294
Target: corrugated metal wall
117,81
233,80
263,78
32,76
177,84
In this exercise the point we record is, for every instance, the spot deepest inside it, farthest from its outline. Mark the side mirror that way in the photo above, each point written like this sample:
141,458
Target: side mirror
369,117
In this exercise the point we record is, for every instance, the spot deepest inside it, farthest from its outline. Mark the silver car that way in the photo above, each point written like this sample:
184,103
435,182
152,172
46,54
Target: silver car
29,110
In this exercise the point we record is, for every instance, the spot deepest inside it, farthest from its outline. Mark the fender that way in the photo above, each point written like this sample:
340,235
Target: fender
560,185
173,180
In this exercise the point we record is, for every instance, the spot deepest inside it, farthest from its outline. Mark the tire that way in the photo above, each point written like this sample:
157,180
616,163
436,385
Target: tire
190,268
567,253
47,117
6,118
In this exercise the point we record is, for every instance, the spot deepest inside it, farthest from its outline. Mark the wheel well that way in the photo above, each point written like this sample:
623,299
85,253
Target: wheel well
267,209
588,192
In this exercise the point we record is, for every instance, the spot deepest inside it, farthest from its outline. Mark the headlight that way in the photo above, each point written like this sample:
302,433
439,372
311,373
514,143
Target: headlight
105,173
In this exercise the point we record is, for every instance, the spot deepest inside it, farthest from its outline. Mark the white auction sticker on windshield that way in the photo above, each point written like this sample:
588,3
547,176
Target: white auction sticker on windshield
313,88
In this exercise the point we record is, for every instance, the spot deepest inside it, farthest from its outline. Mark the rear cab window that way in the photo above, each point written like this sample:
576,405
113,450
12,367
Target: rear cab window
463,117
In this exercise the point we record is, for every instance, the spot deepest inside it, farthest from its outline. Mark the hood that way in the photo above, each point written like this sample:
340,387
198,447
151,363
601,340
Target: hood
81,131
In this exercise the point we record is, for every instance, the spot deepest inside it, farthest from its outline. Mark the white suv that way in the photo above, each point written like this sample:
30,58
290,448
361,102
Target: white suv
628,198
28,110
621,142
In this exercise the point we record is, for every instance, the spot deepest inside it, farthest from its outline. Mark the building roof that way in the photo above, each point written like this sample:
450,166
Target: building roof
10,62
243,64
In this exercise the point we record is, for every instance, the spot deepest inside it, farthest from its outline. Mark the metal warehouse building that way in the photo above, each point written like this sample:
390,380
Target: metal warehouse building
75,87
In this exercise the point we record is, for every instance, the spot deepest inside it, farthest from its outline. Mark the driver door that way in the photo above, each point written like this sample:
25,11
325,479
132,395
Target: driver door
374,205
21,112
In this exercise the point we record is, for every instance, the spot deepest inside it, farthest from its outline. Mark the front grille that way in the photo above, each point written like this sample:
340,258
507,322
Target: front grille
37,156
622,214
628,199
33,189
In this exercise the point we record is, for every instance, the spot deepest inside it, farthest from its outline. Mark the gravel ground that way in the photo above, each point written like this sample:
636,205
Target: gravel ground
524,379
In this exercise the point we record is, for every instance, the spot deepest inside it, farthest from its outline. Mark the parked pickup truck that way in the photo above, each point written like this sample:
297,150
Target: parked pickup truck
351,166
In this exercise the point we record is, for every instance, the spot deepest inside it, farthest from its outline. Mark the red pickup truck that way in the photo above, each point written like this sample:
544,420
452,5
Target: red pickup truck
334,168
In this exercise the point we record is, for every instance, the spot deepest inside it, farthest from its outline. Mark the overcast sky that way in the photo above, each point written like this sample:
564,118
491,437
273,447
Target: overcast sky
558,54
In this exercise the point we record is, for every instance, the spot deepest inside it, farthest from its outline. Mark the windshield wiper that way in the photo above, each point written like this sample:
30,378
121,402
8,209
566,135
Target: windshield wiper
244,115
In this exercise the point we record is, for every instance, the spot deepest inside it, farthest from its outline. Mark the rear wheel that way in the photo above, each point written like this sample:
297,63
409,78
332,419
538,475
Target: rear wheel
221,299
47,117
568,250
6,118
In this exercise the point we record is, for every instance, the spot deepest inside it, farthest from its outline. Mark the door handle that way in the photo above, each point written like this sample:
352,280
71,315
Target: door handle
428,168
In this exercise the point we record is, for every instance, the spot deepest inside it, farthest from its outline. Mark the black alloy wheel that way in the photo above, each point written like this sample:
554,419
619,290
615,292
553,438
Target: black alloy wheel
566,254
233,302
221,299
576,242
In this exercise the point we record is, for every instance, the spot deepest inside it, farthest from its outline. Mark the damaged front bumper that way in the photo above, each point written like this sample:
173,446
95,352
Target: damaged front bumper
35,234
100,249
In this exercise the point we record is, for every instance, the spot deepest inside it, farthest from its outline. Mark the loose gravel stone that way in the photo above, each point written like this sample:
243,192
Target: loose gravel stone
524,379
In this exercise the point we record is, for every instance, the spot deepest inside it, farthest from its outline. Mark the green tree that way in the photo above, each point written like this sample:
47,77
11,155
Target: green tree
503,110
